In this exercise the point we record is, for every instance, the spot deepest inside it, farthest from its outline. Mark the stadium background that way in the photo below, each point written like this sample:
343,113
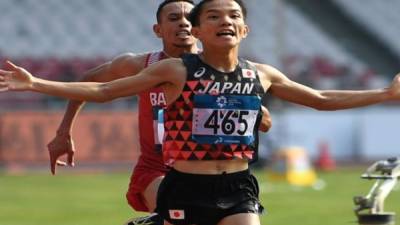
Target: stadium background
335,44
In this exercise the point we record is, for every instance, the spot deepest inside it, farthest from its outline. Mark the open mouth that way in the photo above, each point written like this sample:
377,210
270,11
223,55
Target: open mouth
225,33
183,34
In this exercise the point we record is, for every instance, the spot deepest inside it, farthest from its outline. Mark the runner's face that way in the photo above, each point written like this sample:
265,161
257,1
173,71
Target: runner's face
221,23
174,27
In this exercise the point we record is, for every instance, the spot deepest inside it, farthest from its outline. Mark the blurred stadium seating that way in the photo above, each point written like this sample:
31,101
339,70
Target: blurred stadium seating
66,29
59,40
379,17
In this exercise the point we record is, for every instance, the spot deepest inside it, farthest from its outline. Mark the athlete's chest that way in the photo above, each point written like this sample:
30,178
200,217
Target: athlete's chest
205,80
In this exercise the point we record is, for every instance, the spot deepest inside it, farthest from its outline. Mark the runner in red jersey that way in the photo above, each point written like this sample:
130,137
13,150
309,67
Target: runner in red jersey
173,29
150,167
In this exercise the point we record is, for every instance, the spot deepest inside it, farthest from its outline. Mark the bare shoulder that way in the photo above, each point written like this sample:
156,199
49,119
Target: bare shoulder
172,68
133,63
128,63
269,72
169,74
264,69
173,63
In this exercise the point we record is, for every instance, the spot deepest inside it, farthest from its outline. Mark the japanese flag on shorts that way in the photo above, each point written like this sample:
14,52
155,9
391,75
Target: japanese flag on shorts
248,73
177,214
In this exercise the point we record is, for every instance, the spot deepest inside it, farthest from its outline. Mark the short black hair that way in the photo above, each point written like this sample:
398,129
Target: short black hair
166,2
196,11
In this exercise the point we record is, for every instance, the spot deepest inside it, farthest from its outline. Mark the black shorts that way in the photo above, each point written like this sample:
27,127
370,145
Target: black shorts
206,199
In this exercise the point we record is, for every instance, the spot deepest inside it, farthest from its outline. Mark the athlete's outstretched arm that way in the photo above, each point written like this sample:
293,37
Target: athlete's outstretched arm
170,72
63,144
281,86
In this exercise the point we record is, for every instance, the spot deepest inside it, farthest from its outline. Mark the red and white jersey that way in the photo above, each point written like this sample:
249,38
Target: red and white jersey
151,126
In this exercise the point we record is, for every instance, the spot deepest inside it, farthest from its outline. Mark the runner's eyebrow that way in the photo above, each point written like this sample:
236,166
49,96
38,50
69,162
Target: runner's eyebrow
217,11
174,14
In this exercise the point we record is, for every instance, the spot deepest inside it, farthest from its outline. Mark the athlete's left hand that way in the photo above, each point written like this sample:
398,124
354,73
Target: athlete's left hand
62,144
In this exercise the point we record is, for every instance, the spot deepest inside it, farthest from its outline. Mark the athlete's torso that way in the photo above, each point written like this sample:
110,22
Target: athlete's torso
151,128
216,115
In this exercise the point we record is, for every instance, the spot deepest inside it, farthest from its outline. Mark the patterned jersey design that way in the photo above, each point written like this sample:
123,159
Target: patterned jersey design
216,116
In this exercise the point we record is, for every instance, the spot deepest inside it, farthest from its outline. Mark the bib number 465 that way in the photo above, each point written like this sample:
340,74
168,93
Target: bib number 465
228,121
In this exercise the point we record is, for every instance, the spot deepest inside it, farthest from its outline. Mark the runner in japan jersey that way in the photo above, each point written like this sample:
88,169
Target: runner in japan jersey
151,129
216,116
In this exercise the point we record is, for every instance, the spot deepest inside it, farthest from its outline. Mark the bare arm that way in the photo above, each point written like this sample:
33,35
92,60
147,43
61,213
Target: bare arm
62,143
284,88
170,72
121,66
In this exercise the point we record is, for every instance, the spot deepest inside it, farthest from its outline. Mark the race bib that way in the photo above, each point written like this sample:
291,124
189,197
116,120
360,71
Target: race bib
158,127
225,119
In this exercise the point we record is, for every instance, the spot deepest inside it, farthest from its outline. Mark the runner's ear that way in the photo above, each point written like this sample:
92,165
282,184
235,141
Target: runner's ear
246,31
157,30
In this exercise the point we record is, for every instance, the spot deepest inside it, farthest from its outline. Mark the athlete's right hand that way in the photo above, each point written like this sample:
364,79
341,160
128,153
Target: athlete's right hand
15,78
62,144
266,121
